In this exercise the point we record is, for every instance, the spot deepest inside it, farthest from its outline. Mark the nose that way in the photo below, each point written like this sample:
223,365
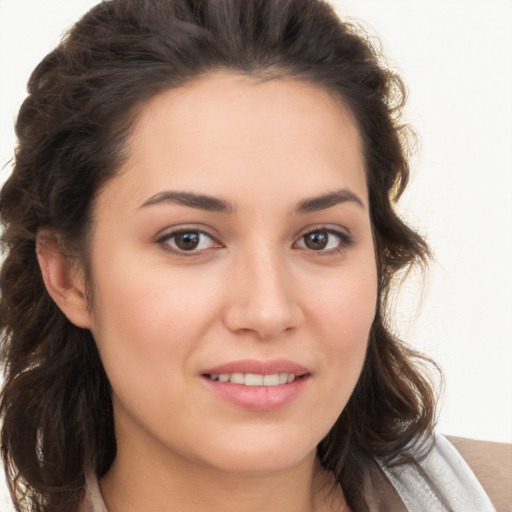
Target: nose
263,299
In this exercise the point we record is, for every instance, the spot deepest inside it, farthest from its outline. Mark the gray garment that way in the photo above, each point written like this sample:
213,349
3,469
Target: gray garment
450,486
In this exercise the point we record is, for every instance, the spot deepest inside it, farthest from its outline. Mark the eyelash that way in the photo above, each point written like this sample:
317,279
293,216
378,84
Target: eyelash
164,241
345,241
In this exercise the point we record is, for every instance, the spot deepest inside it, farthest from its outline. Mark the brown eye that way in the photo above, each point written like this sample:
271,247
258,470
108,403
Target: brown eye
187,241
325,241
184,241
317,240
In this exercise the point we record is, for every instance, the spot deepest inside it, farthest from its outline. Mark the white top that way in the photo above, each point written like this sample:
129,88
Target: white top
449,475
453,487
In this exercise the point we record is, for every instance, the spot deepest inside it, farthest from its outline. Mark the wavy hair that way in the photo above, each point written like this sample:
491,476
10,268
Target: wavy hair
83,100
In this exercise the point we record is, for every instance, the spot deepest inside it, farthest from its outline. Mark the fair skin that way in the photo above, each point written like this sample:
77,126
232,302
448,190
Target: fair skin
237,233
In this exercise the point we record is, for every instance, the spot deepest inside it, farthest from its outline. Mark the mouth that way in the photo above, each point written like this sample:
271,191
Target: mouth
258,385
255,379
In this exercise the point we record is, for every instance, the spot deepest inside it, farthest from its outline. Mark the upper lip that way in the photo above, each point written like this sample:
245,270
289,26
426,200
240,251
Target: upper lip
258,367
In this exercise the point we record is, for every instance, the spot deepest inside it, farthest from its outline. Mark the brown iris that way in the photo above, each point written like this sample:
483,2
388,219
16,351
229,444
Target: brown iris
317,240
187,241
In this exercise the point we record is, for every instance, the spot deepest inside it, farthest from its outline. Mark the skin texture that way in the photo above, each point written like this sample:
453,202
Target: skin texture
253,289
492,464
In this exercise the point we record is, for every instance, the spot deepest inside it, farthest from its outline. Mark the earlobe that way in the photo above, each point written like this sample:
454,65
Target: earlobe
62,277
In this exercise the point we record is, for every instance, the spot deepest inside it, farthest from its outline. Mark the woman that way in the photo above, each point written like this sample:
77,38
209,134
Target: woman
200,239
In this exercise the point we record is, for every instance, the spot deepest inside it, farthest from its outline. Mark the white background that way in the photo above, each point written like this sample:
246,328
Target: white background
455,56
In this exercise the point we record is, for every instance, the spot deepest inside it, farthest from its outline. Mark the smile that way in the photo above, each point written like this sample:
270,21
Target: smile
258,385
253,379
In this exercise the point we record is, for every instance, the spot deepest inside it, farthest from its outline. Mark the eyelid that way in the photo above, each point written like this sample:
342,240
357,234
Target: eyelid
171,232
346,239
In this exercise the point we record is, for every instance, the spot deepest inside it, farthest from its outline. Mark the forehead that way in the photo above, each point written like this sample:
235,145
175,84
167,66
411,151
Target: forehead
225,133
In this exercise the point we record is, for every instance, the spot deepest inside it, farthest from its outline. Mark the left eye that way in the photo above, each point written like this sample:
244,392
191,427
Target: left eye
187,241
323,240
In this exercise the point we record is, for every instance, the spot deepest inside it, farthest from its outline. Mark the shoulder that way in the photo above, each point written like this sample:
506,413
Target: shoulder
492,465
438,478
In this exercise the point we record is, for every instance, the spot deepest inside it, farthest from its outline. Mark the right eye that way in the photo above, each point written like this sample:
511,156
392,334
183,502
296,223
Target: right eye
187,241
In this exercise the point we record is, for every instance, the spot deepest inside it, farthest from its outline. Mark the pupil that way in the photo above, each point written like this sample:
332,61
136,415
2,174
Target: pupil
187,241
317,240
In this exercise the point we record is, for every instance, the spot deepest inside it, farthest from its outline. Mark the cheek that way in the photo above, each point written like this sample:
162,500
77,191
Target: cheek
344,308
149,302
147,325
344,316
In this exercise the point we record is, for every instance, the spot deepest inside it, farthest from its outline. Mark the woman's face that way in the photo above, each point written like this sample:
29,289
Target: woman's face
234,274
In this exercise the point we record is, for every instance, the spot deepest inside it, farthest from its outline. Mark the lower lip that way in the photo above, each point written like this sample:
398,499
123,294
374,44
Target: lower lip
258,398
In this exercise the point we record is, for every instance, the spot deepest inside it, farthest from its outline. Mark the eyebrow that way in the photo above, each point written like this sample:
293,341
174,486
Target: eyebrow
215,204
199,201
328,200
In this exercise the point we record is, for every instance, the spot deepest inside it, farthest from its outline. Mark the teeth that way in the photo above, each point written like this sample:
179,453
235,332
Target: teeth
271,380
253,379
237,378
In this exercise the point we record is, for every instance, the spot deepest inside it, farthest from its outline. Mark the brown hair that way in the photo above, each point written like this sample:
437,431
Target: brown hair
83,99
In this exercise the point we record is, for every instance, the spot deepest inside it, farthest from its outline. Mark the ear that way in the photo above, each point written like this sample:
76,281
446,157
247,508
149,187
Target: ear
63,277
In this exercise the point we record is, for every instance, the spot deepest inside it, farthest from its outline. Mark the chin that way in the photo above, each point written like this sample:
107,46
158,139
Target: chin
261,457
260,465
